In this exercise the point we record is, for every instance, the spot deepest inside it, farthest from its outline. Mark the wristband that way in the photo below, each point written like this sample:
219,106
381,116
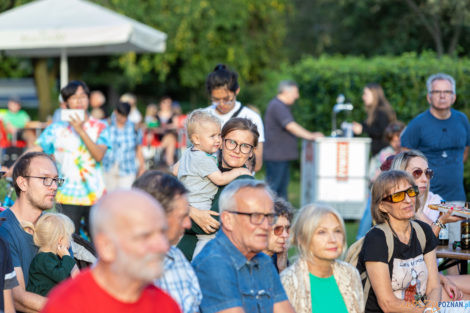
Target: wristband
439,224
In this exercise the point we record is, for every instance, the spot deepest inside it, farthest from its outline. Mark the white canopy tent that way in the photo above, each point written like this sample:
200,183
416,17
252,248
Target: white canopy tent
61,28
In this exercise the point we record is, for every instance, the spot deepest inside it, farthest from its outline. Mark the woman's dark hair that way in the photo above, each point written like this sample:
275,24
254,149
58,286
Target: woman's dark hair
21,167
240,123
161,186
222,77
393,129
71,89
123,108
380,104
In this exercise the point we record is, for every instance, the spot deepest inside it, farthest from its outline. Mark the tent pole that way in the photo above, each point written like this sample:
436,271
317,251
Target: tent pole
64,68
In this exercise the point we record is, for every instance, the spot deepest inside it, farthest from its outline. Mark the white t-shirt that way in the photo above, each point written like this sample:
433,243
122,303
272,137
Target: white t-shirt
432,199
245,112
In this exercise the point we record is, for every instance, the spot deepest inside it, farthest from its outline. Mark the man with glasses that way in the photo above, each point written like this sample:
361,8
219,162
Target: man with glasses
278,237
281,137
442,134
78,146
235,276
35,179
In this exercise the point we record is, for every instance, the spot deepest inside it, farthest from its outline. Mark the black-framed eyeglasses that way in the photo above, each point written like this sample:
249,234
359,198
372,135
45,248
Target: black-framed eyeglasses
442,92
258,218
47,181
223,100
418,172
245,148
400,195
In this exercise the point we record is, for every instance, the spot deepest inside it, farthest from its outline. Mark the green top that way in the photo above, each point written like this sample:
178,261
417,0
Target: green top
47,270
188,243
325,295
17,120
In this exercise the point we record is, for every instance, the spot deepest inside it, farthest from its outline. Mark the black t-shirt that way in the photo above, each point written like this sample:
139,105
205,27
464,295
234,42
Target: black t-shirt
376,131
408,272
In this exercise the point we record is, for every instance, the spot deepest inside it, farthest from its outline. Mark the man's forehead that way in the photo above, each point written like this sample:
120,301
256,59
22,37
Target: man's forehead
254,199
42,165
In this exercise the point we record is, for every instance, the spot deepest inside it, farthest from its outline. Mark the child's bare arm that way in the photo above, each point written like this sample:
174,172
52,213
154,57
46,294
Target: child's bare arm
224,178
175,168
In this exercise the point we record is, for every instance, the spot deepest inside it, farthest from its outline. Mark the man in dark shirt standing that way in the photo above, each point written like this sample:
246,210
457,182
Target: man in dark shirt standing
281,137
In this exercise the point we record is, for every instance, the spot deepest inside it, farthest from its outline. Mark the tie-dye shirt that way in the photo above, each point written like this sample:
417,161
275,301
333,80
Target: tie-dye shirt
83,175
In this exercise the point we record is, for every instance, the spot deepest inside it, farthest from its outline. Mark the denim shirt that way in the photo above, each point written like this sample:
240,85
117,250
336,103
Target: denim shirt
228,279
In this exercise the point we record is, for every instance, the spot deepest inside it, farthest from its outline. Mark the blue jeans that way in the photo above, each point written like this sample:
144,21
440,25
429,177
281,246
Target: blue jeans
277,176
366,221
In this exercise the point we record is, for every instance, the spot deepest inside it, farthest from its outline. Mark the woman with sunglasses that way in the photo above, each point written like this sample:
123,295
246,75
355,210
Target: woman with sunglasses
239,140
319,282
406,279
415,163
223,88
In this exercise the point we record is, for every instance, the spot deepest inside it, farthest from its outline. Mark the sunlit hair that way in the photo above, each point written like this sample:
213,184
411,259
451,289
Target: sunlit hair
306,222
286,85
379,103
196,118
227,197
401,161
51,228
440,76
382,188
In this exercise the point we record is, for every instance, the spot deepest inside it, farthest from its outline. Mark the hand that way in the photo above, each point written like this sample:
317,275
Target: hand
314,136
356,128
76,123
452,290
62,250
204,219
449,218
243,171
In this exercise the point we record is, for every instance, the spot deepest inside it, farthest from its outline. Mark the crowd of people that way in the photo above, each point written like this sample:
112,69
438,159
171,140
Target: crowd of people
206,236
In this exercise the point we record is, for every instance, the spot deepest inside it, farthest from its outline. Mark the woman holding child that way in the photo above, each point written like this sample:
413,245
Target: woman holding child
398,255
318,281
239,139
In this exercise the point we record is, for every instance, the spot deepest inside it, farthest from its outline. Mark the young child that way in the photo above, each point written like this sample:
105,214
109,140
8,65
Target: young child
198,167
53,263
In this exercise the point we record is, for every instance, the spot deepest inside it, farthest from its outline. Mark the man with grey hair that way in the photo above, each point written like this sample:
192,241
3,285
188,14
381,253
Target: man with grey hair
129,232
234,274
281,137
442,134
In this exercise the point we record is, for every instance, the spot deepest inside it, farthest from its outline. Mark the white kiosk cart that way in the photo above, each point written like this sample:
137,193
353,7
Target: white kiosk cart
334,171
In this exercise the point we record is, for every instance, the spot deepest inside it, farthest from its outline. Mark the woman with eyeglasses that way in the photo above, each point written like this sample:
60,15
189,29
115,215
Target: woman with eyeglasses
239,141
415,163
319,282
400,261
223,88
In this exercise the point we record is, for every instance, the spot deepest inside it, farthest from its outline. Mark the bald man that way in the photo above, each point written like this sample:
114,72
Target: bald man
129,232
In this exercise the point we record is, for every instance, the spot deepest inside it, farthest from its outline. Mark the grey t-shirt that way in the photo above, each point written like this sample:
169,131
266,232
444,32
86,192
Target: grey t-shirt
280,144
194,167
21,243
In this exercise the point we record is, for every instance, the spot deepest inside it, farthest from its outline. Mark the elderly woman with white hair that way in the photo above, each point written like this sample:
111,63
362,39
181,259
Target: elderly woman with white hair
318,280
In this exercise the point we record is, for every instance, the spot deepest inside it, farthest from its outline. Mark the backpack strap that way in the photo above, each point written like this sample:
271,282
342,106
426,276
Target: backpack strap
420,234
385,227
237,112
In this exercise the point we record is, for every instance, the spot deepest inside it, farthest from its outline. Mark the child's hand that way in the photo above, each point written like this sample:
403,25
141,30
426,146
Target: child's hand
243,171
62,250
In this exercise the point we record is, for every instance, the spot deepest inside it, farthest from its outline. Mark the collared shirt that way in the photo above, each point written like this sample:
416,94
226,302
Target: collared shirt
228,279
180,281
83,175
124,143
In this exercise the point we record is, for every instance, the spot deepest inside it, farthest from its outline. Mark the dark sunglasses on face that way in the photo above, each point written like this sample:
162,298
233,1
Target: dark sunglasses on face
279,229
418,172
400,195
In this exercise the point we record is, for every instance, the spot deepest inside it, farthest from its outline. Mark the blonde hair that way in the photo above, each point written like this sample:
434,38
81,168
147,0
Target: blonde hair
196,118
50,228
401,161
305,224
382,187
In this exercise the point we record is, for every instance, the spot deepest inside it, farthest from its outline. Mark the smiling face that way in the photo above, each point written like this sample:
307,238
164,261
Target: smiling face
327,240
399,211
235,158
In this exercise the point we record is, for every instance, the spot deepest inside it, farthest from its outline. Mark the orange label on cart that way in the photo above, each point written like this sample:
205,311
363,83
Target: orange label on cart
342,160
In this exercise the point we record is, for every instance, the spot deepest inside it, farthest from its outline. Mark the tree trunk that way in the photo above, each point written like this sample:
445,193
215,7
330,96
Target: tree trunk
41,79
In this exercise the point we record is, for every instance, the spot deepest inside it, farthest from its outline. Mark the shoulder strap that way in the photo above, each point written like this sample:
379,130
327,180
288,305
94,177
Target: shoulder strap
237,112
420,234
388,238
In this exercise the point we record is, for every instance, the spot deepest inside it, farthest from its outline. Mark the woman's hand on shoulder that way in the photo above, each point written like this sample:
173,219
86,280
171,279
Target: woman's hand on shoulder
243,171
204,219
